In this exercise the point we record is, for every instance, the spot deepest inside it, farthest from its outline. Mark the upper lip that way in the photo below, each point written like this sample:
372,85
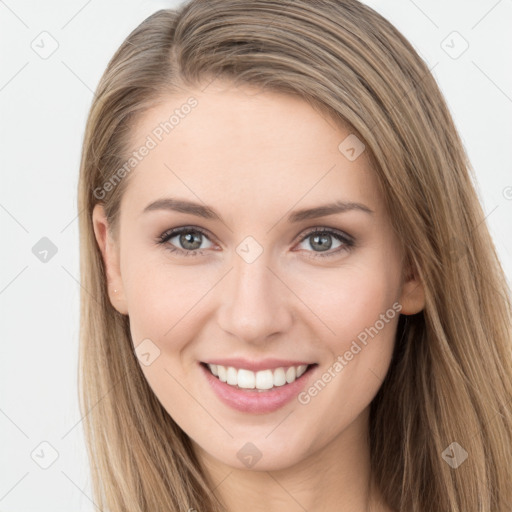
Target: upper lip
264,364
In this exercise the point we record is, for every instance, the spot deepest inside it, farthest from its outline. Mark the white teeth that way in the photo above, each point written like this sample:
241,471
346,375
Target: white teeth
222,373
301,369
231,376
246,379
279,377
262,380
291,373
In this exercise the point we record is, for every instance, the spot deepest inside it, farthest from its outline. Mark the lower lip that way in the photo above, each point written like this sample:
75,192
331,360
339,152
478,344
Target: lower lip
257,402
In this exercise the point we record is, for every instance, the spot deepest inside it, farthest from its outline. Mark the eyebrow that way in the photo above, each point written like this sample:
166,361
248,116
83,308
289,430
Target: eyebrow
184,206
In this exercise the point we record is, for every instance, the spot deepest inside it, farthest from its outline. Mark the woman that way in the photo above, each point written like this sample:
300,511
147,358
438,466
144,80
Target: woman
290,299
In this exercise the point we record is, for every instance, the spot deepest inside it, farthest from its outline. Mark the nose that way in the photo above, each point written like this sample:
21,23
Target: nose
254,302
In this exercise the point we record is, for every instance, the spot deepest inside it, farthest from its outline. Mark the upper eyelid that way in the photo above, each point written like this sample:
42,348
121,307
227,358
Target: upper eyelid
320,229
171,233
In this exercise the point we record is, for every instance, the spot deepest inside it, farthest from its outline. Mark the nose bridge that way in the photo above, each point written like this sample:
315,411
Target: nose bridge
254,302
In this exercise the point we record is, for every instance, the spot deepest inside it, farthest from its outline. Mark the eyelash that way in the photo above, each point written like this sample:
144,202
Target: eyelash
348,242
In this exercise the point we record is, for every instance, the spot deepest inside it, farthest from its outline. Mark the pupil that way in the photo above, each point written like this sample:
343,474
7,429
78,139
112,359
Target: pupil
323,246
189,238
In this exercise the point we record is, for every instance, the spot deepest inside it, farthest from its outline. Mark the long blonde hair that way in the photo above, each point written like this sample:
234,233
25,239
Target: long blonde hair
450,379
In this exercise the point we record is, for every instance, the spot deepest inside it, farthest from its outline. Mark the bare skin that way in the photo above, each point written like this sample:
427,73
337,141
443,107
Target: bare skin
255,157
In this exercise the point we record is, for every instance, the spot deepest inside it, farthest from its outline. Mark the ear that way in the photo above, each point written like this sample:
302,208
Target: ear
412,297
110,253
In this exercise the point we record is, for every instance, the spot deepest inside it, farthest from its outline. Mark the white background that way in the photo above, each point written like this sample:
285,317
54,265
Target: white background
44,103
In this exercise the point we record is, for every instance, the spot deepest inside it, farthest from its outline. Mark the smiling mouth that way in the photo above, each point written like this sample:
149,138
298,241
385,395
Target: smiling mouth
263,380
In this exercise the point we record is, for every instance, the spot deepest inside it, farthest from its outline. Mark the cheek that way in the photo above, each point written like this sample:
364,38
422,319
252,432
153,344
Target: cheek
164,304
358,309
348,299
166,301
159,301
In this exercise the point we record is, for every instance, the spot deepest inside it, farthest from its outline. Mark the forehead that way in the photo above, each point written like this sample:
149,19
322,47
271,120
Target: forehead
258,149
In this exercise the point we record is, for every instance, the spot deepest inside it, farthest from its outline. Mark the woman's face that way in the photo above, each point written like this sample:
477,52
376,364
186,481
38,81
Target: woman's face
250,277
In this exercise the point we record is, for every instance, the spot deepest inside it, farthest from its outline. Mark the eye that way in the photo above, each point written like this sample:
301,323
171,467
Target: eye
322,239
188,240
